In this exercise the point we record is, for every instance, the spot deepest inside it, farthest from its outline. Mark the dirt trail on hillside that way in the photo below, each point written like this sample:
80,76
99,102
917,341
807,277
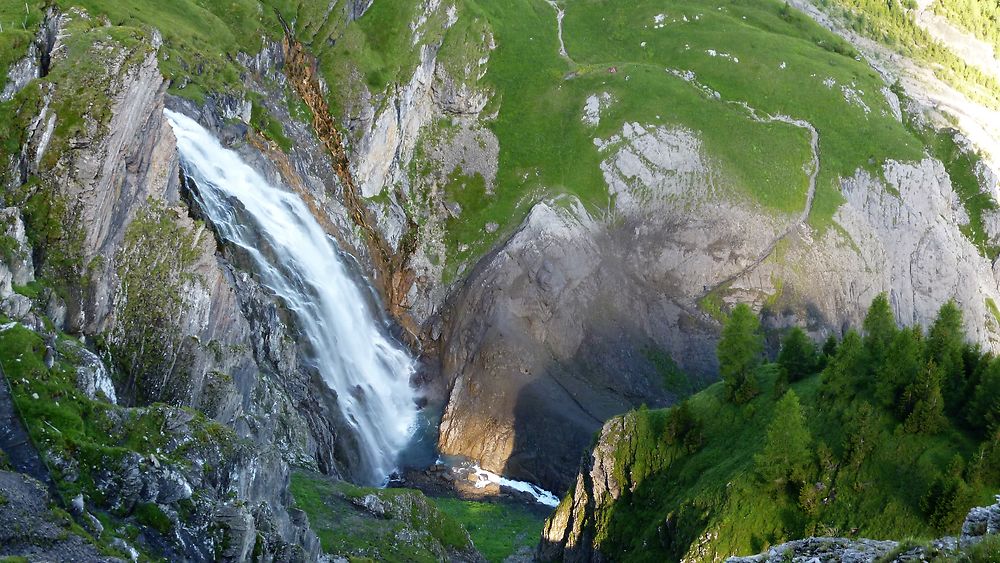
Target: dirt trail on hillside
810,194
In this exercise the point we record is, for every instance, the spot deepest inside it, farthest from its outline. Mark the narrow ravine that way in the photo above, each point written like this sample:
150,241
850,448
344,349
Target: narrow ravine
345,337
392,277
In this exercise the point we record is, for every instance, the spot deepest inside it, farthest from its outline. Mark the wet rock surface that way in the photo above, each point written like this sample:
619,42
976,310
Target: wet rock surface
30,528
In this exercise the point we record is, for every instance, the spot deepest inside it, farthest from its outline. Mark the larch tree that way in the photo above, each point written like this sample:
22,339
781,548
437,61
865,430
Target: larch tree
740,352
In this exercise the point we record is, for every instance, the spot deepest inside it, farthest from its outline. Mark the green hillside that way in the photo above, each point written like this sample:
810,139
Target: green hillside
761,54
897,436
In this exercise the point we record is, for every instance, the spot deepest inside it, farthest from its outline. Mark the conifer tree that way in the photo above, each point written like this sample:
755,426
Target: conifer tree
683,428
830,346
786,454
880,329
945,346
904,361
798,355
984,408
949,498
862,434
926,412
739,354
846,370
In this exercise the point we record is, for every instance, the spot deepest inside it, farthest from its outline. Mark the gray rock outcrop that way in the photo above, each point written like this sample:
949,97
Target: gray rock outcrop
569,282
16,266
980,522
28,528
902,236
567,324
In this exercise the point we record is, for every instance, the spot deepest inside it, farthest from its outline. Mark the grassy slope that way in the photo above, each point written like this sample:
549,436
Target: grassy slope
200,36
546,149
343,529
498,530
762,36
18,28
716,489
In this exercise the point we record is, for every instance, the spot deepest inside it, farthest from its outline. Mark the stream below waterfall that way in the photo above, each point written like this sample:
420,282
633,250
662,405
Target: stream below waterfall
334,310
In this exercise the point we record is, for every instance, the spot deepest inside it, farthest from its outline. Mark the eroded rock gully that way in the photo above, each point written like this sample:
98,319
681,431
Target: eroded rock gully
391,274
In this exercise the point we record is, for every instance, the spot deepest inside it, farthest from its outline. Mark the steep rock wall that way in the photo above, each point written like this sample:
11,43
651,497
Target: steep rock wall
552,333
571,322
900,235
142,277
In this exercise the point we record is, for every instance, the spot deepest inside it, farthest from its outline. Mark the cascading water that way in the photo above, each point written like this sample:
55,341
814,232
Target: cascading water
300,263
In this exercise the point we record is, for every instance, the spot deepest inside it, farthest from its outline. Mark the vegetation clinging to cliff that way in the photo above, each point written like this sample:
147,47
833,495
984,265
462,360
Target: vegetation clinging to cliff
87,443
154,266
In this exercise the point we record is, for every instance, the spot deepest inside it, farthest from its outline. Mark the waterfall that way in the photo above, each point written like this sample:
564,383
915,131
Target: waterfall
294,258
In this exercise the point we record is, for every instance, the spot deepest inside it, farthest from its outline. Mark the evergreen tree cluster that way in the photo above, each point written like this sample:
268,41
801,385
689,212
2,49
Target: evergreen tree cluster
887,432
979,17
919,383
925,379
740,353
892,22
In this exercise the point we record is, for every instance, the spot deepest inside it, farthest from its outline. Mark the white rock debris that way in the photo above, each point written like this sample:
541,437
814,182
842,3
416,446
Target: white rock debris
595,105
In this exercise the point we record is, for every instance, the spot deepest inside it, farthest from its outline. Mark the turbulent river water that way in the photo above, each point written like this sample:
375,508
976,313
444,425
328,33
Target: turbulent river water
346,334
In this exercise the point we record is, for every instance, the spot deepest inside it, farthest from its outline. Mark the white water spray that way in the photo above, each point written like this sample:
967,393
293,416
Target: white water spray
300,263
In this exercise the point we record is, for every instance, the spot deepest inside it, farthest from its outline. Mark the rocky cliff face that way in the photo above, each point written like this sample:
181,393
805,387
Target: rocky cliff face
110,229
207,337
554,332
567,312
567,324
570,532
405,142
900,235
